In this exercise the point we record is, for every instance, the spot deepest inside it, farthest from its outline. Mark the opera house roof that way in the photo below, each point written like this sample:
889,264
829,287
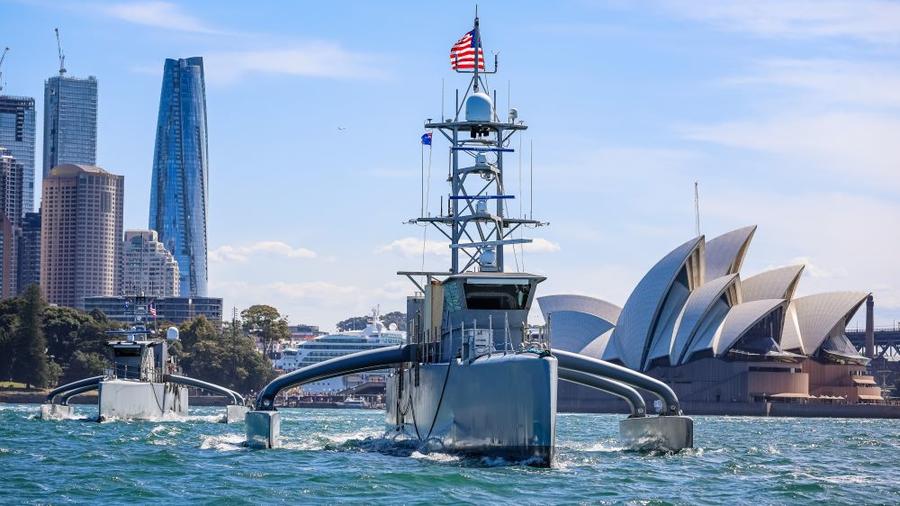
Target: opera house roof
694,304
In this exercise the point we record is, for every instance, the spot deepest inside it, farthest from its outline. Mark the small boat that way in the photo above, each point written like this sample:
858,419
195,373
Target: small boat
354,403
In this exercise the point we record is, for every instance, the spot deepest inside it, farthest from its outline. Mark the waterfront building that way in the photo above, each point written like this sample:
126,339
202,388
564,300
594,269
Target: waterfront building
127,309
148,268
178,190
10,221
29,270
302,332
693,322
70,121
81,234
17,134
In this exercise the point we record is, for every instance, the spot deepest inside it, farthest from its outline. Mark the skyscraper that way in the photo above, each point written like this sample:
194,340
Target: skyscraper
70,121
17,135
30,252
148,268
10,221
81,234
178,191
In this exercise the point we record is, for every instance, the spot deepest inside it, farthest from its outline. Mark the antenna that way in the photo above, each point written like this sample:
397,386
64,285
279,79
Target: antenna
697,205
62,57
2,57
531,175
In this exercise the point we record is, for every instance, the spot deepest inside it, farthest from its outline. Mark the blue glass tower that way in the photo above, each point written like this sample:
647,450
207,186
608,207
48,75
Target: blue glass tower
180,173
17,134
70,121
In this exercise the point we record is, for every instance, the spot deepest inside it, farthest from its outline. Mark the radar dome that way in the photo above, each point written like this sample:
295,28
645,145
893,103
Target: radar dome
393,326
479,107
172,334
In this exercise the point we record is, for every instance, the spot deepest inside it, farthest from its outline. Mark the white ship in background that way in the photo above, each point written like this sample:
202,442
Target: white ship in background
375,335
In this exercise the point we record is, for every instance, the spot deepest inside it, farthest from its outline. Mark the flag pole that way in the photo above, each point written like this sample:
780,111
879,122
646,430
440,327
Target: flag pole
476,35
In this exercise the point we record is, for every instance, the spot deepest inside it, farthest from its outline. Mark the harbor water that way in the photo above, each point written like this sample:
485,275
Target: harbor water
342,456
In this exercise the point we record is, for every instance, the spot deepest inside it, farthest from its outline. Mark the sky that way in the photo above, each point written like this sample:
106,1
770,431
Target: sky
786,112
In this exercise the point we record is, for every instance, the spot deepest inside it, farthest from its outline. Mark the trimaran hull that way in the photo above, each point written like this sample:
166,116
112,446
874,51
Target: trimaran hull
496,406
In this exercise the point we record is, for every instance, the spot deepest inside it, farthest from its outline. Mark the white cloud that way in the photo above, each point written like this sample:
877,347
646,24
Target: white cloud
243,253
838,82
412,247
157,14
541,245
853,144
316,302
311,59
867,20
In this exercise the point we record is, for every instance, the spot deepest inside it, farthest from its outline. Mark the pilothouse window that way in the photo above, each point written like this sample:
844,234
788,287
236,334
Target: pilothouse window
497,297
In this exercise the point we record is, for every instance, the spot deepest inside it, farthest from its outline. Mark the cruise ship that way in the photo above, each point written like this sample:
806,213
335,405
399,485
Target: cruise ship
375,335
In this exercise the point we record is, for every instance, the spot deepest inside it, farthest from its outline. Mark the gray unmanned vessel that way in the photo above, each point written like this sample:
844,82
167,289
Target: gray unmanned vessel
472,378
144,383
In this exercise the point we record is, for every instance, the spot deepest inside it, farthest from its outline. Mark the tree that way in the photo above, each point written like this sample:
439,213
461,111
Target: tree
9,323
352,323
196,330
30,363
360,322
85,365
230,360
62,329
266,324
395,317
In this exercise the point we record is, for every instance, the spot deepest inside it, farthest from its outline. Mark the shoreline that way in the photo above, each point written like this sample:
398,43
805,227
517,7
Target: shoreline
760,409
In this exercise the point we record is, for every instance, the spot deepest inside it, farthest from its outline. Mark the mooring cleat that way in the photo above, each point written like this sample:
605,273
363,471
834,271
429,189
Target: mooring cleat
665,433
263,429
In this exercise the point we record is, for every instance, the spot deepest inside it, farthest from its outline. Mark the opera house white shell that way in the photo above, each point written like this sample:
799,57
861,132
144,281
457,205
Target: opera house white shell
693,304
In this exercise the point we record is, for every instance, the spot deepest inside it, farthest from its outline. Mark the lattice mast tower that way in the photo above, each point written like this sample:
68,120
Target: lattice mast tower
476,221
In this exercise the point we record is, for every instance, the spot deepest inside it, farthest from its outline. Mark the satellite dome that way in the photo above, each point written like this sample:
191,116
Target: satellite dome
479,107
172,334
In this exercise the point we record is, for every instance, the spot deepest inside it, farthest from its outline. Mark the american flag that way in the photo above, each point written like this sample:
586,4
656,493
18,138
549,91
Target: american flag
152,310
462,54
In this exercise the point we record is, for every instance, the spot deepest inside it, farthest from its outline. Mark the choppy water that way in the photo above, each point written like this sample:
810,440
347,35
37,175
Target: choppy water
339,455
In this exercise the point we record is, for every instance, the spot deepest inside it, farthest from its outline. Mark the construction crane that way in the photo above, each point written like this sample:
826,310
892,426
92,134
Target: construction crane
2,57
62,57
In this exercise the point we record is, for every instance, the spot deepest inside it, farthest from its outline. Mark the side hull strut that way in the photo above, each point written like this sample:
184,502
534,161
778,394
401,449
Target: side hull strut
263,425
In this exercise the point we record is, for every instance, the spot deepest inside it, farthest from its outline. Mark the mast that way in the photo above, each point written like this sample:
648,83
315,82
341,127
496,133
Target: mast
478,231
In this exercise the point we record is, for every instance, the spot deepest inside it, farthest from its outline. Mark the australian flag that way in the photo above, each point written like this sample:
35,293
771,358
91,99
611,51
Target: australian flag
426,139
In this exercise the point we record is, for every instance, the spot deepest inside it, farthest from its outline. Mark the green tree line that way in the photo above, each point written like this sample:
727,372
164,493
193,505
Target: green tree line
360,322
43,345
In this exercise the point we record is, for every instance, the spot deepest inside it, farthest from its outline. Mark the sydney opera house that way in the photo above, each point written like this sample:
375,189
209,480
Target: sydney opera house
715,337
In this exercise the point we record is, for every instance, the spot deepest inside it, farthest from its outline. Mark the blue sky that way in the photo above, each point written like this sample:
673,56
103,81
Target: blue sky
787,112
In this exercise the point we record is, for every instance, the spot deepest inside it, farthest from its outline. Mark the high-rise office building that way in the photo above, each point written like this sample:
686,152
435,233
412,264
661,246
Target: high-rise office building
30,252
81,234
17,135
70,121
148,269
11,186
10,221
178,191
